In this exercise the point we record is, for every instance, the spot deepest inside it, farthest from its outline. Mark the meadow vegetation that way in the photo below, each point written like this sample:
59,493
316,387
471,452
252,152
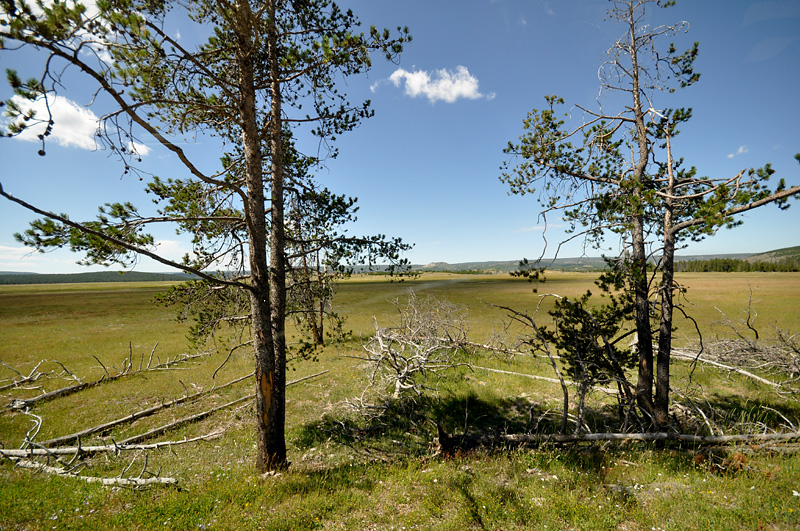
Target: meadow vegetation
350,472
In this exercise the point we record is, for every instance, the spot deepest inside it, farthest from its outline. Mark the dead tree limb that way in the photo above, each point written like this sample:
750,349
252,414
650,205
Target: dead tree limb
135,416
447,443
537,340
26,403
131,482
200,416
542,378
686,357
28,453
32,376
180,422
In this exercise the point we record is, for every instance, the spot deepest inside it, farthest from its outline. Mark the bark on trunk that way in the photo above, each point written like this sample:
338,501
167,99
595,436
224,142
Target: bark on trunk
276,455
271,446
667,278
644,385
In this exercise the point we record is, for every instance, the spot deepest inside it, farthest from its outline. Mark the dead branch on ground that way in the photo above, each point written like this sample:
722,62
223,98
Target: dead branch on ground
128,482
27,403
200,416
447,444
31,377
137,415
115,448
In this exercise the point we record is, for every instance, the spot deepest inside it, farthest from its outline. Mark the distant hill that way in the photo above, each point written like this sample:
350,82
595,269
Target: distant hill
12,277
585,263
778,255
562,264
565,264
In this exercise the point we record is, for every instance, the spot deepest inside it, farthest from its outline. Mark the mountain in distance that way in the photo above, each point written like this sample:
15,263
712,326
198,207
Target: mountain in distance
585,263
777,255
590,263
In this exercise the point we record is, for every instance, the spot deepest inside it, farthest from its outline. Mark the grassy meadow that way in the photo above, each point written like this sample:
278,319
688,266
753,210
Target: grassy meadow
350,473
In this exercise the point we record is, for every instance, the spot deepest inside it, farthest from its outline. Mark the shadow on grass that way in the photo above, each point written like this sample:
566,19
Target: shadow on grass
739,414
409,427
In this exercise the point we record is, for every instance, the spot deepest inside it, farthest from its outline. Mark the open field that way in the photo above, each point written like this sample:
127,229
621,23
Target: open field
350,474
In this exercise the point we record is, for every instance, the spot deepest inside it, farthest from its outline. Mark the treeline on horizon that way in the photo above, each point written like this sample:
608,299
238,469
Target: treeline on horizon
734,265
99,276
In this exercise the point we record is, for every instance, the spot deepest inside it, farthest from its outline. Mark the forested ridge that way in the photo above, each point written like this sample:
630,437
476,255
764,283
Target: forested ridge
99,276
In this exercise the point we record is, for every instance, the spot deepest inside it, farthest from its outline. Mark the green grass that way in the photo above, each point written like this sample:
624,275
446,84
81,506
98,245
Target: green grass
347,473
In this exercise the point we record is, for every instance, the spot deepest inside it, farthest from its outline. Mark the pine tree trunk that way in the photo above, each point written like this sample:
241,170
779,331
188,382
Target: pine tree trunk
271,446
665,336
667,281
276,456
644,345
644,384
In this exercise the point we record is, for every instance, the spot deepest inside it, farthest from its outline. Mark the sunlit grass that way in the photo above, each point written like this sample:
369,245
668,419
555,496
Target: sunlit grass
350,474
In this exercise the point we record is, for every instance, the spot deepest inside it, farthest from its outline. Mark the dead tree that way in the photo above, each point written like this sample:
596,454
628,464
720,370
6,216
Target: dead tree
404,360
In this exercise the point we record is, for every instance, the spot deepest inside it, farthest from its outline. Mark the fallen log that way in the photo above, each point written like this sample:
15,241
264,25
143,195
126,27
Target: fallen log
150,411
28,453
132,482
200,416
689,357
23,403
542,378
448,444
135,416
186,420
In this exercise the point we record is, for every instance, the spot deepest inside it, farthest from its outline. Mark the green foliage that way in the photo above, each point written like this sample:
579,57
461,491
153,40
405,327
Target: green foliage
588,337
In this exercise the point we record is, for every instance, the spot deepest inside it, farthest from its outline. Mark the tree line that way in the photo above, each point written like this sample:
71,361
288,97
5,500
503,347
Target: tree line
735,265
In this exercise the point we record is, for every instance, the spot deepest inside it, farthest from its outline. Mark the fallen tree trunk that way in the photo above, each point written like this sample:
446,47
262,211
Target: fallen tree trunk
689,357
98,449
186,420
135,416
134,482
157,431
200,416
543,378
448,444
23,403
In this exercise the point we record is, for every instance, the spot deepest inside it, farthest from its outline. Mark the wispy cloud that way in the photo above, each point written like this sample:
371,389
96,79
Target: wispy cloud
769,48
25,259
762,11
439,85
540,228
741,151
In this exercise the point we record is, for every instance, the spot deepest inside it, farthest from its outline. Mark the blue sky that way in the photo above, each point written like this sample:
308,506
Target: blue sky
426,167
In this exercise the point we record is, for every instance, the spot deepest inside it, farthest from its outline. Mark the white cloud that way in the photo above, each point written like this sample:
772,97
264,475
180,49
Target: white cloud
741,151
172,249
444,85
28,260
74,126
138,149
